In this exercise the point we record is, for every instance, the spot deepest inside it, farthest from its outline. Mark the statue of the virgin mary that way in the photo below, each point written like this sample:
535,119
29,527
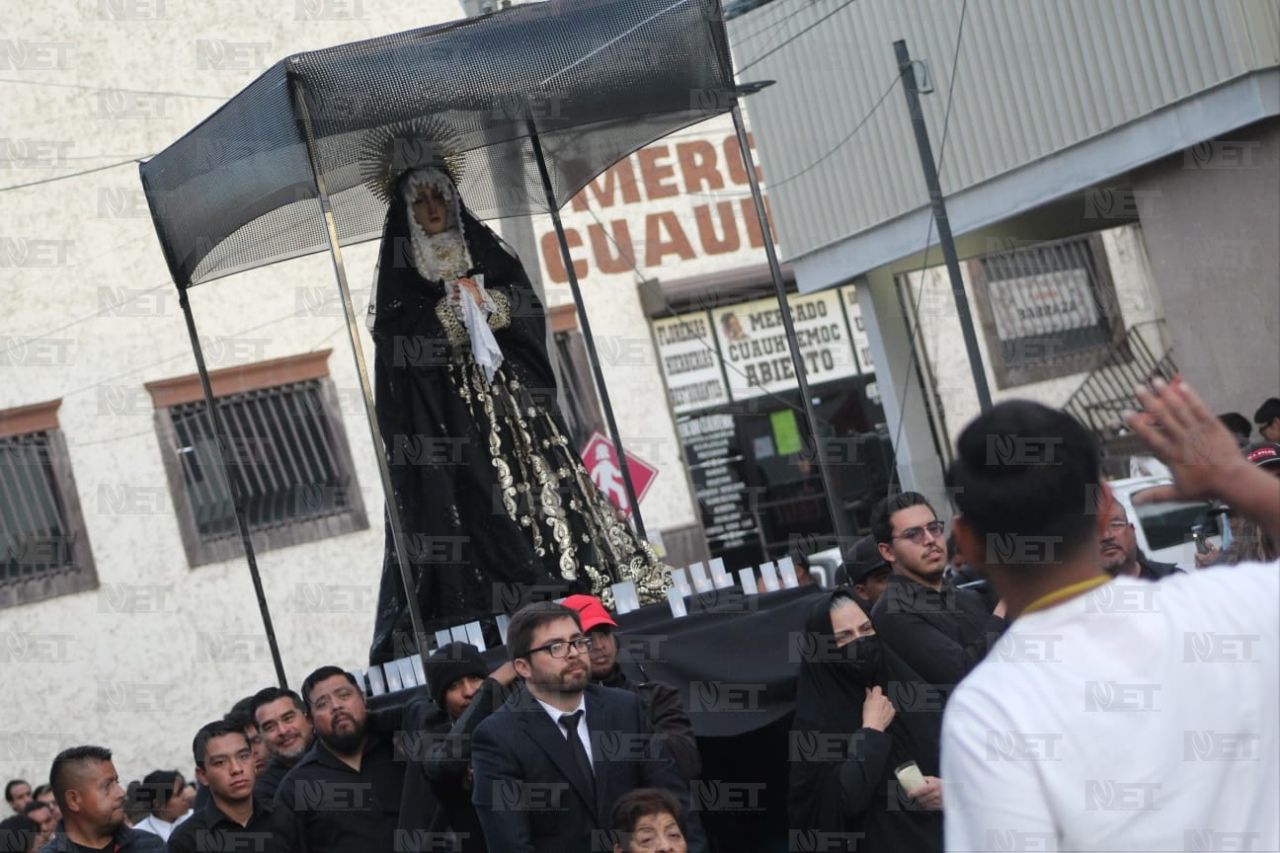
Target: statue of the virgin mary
491,494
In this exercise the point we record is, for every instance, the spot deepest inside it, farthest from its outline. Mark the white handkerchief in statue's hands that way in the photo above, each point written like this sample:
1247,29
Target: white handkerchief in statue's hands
484,346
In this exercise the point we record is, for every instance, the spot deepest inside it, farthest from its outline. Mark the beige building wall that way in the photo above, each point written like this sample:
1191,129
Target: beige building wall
1222,292
940,333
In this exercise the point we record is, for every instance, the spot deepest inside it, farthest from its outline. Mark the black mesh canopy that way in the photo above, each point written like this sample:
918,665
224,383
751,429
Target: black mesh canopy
597,78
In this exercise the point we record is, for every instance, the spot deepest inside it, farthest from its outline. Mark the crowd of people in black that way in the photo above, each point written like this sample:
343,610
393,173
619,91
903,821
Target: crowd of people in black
561,749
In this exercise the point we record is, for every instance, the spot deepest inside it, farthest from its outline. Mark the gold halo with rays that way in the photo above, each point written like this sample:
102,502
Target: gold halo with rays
389,151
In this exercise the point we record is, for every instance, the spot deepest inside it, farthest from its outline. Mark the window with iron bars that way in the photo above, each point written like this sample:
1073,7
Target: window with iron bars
288,453
1048,309
46,549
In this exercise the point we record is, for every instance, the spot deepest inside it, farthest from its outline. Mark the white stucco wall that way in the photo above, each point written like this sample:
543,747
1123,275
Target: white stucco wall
159,648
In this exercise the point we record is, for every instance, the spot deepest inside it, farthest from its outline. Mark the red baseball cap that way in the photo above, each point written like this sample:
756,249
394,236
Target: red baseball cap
591,612
1264,455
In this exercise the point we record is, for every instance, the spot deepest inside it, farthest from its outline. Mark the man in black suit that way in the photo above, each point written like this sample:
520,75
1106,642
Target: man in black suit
552,761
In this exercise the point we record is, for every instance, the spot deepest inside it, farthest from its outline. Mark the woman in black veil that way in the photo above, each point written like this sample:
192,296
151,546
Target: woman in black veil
848,738
492,497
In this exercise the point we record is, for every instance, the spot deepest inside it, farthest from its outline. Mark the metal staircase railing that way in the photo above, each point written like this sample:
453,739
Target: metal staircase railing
1108,391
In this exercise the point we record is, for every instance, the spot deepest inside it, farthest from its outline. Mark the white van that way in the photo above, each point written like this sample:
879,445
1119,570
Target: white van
1164,529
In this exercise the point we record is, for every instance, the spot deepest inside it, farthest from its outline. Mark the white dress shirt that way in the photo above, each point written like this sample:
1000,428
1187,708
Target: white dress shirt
583,735
159,827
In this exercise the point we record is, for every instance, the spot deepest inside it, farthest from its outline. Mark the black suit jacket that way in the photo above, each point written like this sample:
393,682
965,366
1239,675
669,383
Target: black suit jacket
940,634
528,792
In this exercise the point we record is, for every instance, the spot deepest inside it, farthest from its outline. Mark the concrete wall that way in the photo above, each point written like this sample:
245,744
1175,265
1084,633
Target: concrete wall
1210,219
925,419
89,315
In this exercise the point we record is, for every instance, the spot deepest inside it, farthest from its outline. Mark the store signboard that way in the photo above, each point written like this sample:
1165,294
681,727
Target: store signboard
1043,304
690,362
861,341
753,343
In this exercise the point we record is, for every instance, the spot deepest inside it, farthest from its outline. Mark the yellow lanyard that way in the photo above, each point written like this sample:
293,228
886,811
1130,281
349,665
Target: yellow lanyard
1052,598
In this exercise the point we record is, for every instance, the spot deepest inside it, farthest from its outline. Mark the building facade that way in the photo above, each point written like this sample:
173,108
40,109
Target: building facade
1053,125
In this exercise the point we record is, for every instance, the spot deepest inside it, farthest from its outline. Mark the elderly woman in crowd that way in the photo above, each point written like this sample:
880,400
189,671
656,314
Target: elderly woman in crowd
648,820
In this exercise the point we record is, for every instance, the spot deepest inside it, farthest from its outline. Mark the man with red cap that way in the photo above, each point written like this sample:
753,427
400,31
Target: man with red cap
667,714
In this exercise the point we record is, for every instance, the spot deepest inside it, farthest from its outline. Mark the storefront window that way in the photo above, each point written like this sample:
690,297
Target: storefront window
752,459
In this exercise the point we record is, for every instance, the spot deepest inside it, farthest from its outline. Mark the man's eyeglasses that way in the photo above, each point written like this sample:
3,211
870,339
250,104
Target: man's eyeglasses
1117,524
934,529
560,648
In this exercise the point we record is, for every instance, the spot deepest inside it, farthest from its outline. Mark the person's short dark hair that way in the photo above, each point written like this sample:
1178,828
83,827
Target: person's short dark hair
40,790
862,562
319,675
1025,477
267,695
208,732
18,832
882,513
530,618
1237,424
640,803
34,806
13,783
65,764
1267,412
239,714
156,789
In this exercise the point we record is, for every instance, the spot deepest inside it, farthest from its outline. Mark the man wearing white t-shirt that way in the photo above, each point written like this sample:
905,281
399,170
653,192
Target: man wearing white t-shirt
1113,715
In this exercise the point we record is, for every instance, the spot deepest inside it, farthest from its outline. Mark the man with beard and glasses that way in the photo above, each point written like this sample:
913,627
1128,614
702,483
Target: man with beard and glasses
847,739
1119,554
940,631
663,702
552,761
282,722
343,795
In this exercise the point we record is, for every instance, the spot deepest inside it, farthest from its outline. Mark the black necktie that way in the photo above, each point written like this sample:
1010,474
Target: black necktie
570,724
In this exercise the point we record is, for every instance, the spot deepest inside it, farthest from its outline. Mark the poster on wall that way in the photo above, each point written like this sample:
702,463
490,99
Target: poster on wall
690,363
753,343
1044,304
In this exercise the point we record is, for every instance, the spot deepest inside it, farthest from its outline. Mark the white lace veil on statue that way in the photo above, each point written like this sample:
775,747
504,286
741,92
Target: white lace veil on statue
426,149
443,256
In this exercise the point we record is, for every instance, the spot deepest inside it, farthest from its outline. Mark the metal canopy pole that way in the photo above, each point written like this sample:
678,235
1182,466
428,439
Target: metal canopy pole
235,486
912,91
353,332
797,363
586,327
